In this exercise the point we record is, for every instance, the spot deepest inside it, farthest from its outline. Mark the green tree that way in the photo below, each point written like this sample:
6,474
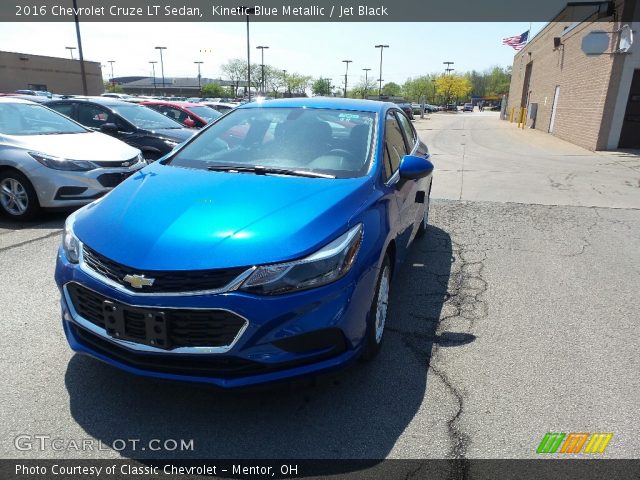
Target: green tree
392,89
112,88
214,90
235,71
416,88
321,86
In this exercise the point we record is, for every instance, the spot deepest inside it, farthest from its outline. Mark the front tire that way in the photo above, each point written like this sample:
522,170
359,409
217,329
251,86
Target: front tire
377,317
18,199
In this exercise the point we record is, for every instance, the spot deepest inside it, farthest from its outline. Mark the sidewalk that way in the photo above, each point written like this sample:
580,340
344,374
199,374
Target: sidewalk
480,157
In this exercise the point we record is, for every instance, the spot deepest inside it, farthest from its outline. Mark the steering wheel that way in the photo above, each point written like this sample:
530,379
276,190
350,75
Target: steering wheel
339,152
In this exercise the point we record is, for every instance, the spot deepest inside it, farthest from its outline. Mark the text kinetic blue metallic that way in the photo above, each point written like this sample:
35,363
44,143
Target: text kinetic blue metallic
260,250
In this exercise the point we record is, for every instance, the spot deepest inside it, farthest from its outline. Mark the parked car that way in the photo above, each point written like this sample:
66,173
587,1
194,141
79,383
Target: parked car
265,262
191,115
468,107
153,133
35,93
407,109
48,160
221,107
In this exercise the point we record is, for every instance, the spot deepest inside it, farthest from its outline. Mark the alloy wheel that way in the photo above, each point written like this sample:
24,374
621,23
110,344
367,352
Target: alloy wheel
13,196
382,304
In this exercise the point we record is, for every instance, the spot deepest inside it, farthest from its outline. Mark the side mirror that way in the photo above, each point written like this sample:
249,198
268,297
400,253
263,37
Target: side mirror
109,128
188,122
412,167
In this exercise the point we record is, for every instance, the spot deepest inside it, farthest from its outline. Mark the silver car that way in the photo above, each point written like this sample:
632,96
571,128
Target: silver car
49,161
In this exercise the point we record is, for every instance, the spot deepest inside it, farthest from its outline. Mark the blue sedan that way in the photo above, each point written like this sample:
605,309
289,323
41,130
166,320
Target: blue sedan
260,250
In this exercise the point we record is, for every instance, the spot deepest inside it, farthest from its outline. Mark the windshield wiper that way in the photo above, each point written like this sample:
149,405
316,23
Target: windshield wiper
261,170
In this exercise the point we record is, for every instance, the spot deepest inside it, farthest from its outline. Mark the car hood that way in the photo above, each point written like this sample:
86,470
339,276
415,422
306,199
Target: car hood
176,134
93,146
172,218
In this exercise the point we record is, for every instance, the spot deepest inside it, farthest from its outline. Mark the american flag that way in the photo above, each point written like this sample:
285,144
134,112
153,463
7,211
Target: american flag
518,41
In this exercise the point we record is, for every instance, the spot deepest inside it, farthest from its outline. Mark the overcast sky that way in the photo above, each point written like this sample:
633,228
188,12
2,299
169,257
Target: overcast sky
315,49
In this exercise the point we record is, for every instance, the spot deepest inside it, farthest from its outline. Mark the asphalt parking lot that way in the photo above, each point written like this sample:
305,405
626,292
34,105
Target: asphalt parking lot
514,316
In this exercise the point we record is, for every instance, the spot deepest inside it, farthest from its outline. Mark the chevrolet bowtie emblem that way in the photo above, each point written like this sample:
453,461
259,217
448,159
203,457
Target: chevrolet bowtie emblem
138,281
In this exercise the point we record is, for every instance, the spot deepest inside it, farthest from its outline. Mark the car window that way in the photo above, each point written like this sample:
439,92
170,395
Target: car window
65,109
332,142
409,131
395,147
93,116
34,119
143,117
207,113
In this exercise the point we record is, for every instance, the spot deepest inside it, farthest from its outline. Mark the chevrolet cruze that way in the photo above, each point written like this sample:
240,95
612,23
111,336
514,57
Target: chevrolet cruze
260,250
50,161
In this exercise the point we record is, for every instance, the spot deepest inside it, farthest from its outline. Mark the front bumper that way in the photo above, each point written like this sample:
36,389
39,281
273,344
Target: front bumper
59,188
285,336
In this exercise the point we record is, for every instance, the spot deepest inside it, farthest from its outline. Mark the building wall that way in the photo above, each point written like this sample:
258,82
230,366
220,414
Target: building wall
585,81
60,75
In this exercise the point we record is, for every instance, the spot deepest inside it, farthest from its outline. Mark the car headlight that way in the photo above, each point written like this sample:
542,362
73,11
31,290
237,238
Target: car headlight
70,243
327,265
57,163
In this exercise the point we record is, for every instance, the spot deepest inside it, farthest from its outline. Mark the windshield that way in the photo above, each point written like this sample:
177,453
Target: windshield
209,114
143,117
331,142
30,119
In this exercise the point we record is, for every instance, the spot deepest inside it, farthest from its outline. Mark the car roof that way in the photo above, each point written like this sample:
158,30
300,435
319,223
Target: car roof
323,102
17,99
106,101
171,104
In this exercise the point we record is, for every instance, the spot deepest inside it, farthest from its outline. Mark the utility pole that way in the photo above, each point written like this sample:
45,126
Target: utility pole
199,78
262,47
381,47
71,49
113,83
153,66
83,73
366,82
162,68
249,11
345,76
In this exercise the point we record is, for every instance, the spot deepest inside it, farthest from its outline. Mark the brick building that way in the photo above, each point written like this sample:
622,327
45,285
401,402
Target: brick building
19,71
577,83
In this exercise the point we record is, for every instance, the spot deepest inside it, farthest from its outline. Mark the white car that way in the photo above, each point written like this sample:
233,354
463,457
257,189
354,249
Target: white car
49,161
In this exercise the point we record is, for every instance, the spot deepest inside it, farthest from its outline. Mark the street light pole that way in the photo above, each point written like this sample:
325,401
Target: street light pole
199,78
71,49
262,47
345,76
162,68
447,71
381,47
153,66
366,82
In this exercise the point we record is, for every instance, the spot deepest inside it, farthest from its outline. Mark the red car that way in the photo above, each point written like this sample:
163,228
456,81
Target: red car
192,115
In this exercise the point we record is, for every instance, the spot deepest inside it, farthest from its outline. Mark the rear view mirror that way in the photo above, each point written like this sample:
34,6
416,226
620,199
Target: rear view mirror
109,128
412,167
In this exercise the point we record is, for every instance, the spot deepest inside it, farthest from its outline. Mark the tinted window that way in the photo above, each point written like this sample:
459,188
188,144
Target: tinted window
93,116
409,132
207,113
30,119
64,108
394,142
143,117
333,142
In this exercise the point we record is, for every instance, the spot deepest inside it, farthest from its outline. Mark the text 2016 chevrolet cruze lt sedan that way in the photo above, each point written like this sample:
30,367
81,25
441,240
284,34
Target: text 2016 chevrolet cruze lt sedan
260,250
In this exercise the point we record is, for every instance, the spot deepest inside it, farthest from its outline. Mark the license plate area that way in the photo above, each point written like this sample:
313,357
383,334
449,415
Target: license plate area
139,325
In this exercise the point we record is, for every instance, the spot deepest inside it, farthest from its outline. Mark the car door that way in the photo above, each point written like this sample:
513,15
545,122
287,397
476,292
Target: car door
404,190
415,208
